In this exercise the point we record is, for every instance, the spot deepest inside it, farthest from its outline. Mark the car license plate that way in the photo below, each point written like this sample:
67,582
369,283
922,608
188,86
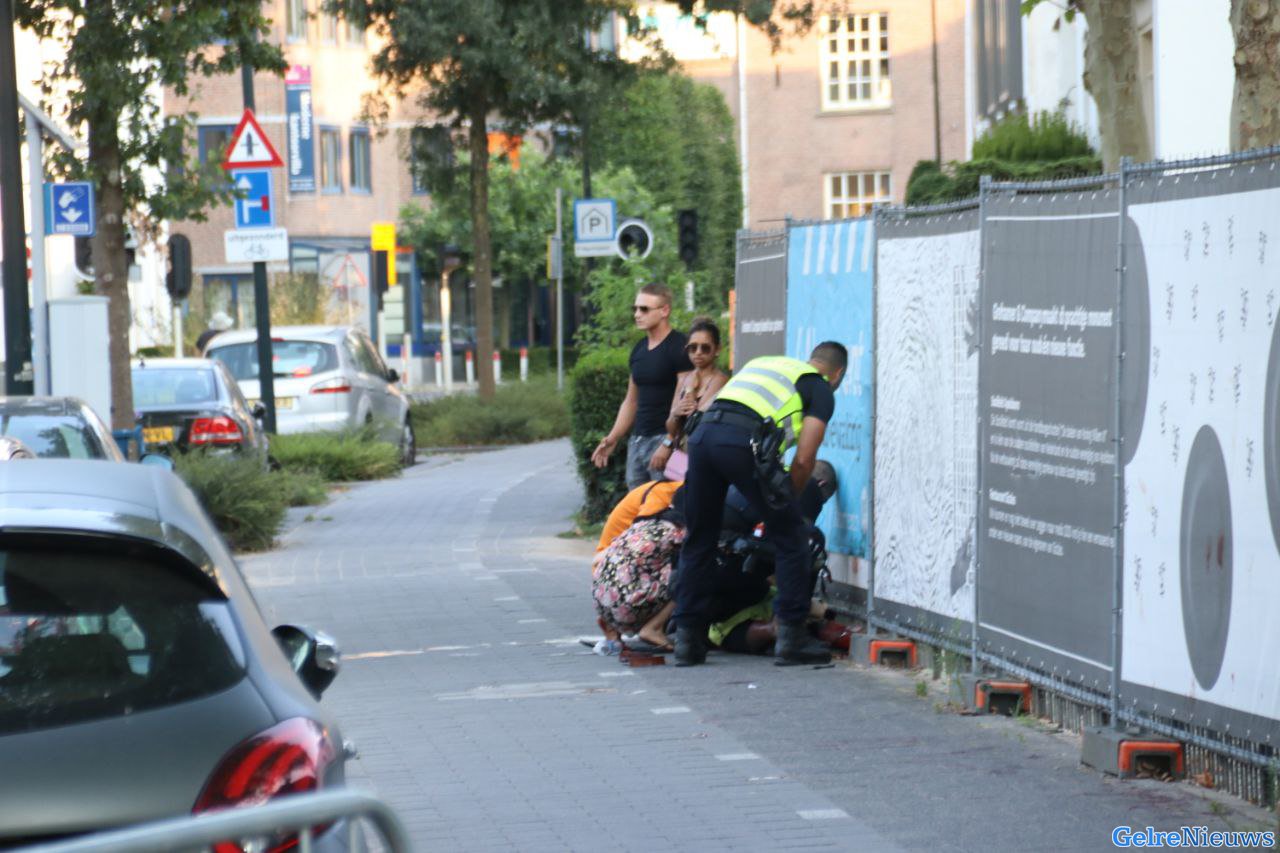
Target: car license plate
157,435
281,403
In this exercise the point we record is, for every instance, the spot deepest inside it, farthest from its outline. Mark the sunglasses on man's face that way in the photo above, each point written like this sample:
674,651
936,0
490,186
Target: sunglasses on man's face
695,348
642,309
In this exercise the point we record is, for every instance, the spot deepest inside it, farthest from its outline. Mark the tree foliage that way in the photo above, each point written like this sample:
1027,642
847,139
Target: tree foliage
116,54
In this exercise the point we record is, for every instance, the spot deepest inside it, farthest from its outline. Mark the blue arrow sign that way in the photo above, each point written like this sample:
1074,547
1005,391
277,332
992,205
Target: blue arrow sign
68,209
256,208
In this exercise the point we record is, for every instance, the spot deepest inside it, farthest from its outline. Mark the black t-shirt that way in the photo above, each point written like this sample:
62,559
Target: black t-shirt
654,371
817,400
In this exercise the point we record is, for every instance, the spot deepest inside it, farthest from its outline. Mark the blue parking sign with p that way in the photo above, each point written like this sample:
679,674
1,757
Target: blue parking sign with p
68,209
254,203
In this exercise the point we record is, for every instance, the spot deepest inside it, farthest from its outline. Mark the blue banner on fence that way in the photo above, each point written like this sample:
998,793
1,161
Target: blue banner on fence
302,151
829,280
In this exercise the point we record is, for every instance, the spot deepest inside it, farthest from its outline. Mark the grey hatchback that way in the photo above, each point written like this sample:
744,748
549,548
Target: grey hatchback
137,677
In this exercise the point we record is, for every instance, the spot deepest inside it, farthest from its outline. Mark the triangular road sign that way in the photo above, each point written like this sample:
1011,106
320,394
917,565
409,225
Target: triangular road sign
250,147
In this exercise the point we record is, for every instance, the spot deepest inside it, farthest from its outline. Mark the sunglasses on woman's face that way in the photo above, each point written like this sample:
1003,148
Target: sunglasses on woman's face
694,349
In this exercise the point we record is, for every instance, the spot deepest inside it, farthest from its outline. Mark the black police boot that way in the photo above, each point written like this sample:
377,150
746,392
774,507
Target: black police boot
691,646
796,648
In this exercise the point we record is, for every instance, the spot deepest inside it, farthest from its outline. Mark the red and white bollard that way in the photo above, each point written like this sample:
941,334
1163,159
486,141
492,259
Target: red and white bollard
439,369
524,364
497,367
471,368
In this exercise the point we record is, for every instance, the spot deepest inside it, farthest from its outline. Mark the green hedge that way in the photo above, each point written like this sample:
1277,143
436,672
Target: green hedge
597,385
519,413
930,184
337,457
245,501
542,360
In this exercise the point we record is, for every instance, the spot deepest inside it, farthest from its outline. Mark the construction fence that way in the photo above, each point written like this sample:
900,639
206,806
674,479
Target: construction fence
1059,438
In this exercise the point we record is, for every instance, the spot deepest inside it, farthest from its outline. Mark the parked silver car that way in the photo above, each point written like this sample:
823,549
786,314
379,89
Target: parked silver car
326,378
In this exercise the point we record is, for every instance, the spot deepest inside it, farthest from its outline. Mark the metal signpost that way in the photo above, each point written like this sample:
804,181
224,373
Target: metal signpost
248,157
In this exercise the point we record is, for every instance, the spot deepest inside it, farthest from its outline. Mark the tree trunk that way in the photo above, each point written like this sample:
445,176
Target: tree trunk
111,266
1255,106
1111,76
482,263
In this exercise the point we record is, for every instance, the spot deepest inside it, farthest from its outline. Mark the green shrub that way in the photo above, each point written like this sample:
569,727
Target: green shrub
596,387
1044,137
244,500
519,413
337,457
960,180
542,360
301,487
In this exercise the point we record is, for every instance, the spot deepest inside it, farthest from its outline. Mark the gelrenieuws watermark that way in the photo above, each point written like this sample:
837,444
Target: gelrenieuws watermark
1190,836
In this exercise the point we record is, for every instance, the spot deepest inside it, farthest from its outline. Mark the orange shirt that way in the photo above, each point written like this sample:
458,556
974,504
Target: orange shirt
645,499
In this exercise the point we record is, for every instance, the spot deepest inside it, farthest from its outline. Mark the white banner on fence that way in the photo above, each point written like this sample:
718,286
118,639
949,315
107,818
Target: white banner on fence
1201,547
926,420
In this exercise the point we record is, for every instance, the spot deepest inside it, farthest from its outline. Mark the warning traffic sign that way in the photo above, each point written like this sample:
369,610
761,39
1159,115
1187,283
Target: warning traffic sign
250,147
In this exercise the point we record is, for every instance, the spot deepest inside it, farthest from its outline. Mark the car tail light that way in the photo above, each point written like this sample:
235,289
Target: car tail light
219,430
337,385
300,372
288,758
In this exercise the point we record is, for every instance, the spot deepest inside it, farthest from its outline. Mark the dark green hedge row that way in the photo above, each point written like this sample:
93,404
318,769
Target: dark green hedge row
931,184
597,384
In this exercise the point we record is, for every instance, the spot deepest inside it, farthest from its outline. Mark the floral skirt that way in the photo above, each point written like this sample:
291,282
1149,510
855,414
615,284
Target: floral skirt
634,581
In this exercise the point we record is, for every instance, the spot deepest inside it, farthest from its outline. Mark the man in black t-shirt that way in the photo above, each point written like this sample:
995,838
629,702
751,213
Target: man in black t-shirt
656,360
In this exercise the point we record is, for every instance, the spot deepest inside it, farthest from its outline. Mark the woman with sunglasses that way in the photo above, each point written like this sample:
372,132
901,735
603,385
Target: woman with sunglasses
695,389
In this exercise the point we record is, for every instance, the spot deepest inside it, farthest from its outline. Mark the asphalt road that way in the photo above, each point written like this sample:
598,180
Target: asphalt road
480,718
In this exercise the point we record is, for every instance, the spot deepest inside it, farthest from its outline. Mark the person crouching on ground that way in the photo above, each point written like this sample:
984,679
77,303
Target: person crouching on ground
769,396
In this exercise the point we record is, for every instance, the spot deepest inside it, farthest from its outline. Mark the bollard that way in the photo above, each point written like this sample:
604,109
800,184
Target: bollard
497,367
439,369
406,359
524,364
471,368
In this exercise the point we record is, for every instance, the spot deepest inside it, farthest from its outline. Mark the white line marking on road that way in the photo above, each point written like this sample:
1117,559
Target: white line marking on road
514,571
823,814
675,709
529,621
458,550
485,578
623,674
392,654
507,598
738,756
765,779
534,690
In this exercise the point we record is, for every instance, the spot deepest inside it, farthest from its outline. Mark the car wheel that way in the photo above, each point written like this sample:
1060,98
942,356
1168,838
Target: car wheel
408,445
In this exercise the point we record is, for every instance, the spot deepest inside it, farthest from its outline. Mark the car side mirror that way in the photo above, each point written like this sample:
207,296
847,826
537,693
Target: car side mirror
259,411
393,375
157,459
313,655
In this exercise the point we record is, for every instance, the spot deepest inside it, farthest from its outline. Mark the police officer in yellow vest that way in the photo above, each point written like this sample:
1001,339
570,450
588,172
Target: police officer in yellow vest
770,397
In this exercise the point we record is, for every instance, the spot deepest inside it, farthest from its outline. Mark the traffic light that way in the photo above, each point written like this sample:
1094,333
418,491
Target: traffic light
688,225
178,278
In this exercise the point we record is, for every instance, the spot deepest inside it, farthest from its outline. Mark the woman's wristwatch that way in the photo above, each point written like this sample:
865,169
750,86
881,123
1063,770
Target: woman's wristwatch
667,441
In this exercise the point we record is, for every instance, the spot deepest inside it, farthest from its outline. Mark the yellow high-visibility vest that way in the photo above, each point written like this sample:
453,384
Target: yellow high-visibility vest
767,386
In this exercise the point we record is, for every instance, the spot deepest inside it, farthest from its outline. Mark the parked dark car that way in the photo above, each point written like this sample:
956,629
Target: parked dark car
138,680
188,403
58,428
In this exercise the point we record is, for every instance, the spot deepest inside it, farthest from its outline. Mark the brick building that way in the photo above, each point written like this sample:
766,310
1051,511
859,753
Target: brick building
837,118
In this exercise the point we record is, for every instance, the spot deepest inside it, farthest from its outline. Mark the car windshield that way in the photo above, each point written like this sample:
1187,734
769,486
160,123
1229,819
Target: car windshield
53,436
163,387
292,359
87,635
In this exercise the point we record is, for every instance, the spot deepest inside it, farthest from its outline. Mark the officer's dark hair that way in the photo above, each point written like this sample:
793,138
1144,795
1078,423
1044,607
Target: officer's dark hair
832,354
705,324
658,289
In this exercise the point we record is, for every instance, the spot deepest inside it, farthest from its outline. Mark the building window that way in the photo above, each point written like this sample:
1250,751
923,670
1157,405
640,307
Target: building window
296,19
328,28
431,149
330,160
855,62
212,141
360,177
355,34
850,194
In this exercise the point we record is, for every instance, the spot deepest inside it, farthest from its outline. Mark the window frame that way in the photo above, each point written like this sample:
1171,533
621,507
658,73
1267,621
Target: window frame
203,132
353,134
324,130
846,199
296,16
878,58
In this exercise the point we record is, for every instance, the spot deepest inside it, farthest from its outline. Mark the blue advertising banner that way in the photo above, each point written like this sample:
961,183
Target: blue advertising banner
300,129
830,268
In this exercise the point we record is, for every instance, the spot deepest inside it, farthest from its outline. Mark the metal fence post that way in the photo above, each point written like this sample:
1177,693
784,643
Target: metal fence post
1117,592
984,189
874,224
